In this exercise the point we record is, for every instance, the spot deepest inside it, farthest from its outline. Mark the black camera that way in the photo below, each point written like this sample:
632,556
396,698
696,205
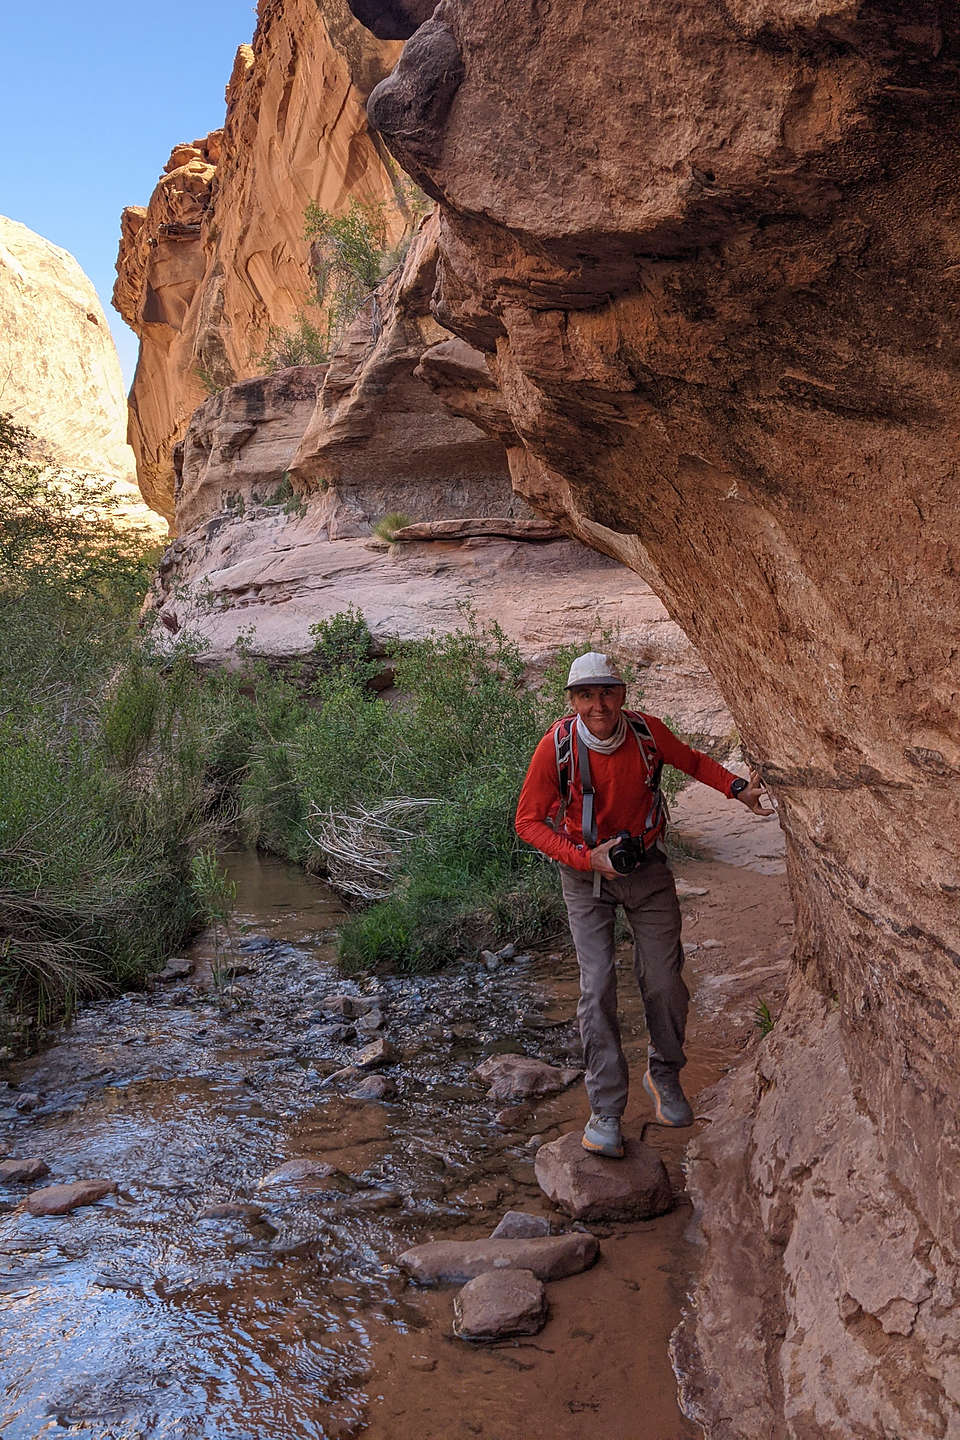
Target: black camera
628,853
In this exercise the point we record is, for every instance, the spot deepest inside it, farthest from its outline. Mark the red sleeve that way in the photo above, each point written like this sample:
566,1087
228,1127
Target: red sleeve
539,796
690,761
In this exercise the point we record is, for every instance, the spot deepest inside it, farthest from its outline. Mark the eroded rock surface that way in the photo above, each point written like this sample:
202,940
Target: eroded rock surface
706,254
62,1199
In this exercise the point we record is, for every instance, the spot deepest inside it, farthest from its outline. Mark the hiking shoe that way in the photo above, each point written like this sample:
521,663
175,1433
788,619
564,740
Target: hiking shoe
669,1101
602,1136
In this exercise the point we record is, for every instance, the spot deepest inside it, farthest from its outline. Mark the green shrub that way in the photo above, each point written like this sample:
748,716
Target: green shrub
304,343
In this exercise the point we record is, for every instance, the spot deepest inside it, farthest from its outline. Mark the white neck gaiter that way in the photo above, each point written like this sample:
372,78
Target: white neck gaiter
604,747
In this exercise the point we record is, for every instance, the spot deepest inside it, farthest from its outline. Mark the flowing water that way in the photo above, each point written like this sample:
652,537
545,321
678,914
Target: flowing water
137,1316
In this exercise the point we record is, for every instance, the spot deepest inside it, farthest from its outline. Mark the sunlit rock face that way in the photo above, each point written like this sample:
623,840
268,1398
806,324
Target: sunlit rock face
59,371
219,254
281,479
712,258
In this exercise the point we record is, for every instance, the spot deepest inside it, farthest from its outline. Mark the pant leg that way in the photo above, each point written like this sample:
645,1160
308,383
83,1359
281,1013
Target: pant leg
592,926
649,897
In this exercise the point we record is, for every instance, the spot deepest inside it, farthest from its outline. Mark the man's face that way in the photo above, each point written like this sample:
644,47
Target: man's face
599,707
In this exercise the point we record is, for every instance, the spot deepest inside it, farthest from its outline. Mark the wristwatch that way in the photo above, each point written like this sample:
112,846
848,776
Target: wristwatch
737,787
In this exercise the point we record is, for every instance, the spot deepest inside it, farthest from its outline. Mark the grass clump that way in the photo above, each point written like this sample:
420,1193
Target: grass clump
388,525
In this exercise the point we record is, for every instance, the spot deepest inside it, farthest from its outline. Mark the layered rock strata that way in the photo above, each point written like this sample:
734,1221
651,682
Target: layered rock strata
59,372
219,255
708,254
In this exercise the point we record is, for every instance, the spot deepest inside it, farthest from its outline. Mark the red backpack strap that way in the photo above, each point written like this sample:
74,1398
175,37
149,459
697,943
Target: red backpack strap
653,761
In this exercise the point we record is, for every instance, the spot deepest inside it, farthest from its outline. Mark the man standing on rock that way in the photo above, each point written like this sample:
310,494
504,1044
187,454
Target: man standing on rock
591,800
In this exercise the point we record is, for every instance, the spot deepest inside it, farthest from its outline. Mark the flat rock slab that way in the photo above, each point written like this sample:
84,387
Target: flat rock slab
61,1199
514,1077
592,1187
21,1172
499,1304
518,1225
454,1262
230,1210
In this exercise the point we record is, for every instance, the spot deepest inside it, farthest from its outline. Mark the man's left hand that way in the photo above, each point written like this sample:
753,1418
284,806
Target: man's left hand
752,796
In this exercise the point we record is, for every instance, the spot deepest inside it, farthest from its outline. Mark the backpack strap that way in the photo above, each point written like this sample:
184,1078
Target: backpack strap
653,761
588,821
563,750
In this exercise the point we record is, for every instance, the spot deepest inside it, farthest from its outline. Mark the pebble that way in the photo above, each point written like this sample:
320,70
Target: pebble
293,1172
711,944
378,1052
21,1172
374,1087
519,1225
61,1199
514,1077
686,891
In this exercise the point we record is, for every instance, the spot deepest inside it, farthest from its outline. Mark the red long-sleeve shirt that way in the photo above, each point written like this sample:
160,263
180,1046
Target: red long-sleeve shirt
622,794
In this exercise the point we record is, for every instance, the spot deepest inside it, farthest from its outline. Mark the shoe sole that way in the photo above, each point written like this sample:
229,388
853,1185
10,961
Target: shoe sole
661,1119
601,1149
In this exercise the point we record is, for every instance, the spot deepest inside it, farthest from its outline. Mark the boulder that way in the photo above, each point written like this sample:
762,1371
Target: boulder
61,1199
499,1304
514,1077
592,1187
453,1262
20,1172
518,1225
176,969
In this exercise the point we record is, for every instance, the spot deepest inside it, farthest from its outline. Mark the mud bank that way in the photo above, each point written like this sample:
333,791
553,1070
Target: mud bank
142,1316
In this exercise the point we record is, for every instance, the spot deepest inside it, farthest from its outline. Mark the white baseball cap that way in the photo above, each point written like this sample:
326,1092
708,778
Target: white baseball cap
594,669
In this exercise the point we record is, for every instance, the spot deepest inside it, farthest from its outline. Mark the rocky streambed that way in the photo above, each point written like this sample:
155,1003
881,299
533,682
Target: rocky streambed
275,1138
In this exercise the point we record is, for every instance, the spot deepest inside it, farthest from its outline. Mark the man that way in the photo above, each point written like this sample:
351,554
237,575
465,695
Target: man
592,777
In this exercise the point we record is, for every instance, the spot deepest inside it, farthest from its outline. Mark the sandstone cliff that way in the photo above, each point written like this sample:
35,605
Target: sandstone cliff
219,254
709,255
59,371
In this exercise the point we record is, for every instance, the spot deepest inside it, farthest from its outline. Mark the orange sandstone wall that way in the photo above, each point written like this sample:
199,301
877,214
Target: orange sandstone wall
219,254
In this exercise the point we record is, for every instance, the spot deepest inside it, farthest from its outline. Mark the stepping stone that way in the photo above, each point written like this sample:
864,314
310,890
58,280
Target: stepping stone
592,1187
454,1262
21,1172
61,1199
518,1225
500,1304
515,1077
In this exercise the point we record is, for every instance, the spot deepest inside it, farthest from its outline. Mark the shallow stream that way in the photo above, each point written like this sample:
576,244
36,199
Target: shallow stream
137,1317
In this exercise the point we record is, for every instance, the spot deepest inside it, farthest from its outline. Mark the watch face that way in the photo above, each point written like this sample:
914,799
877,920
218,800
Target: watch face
738,787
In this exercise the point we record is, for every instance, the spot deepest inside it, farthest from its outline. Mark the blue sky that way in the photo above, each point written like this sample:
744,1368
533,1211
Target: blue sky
94,97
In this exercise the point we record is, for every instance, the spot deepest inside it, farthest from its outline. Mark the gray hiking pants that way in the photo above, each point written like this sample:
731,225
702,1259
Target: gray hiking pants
649,898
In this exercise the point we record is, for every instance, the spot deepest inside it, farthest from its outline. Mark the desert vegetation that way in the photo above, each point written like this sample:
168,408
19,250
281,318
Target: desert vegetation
123,766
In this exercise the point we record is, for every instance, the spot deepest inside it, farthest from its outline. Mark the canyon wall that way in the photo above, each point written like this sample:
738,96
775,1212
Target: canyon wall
709,258
219,255
281,479
59,372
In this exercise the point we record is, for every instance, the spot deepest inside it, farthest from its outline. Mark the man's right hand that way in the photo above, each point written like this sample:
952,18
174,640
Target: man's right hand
600,857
